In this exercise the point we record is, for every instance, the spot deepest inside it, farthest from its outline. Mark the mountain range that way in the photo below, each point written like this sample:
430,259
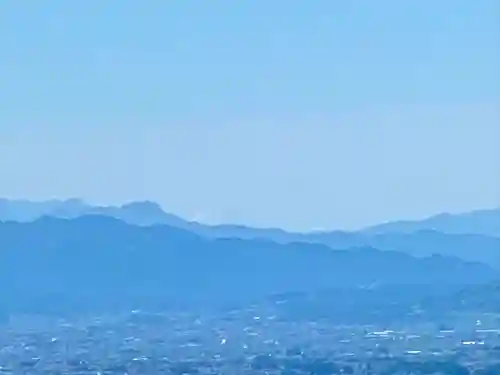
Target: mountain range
473,236
99,259
479,222
63,255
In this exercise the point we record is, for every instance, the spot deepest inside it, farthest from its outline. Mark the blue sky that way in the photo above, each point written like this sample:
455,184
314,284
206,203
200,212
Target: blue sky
300,114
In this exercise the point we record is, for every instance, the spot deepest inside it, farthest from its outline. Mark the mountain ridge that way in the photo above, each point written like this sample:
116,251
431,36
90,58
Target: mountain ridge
97,259
425,240
149,212
482,221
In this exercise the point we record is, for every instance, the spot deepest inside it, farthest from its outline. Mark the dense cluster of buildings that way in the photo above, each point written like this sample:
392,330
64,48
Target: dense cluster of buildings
245,342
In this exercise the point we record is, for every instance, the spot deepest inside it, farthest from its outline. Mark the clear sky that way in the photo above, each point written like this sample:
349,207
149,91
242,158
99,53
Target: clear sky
299,114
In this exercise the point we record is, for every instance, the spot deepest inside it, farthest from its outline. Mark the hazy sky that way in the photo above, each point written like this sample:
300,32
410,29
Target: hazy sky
295,113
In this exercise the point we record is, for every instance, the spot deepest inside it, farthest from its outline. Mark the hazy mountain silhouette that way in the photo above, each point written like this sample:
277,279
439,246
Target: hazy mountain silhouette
139,213
94,260
25,210
442,234
484,222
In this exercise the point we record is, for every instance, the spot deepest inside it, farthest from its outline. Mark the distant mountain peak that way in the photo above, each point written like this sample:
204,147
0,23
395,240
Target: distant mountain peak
485,222
143,207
